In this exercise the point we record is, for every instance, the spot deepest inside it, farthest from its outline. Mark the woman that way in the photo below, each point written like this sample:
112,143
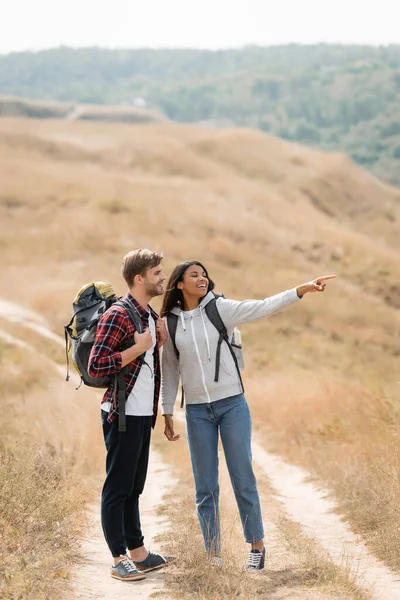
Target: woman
215,403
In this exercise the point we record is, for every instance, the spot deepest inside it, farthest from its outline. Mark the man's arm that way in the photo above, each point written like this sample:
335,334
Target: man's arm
105,357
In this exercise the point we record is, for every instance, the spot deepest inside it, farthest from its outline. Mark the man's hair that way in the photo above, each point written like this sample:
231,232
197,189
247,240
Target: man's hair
137,262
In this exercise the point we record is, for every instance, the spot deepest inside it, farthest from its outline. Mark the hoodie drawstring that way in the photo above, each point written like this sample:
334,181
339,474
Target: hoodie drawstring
183,321
181,314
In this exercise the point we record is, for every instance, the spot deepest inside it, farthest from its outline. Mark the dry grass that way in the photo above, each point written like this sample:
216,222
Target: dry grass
40,523
349,438
47,451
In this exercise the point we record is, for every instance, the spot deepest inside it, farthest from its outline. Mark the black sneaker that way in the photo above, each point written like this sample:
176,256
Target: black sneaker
256,561
153,561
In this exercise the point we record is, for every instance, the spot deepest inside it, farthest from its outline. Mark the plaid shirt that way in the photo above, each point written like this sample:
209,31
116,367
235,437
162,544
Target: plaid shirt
114,330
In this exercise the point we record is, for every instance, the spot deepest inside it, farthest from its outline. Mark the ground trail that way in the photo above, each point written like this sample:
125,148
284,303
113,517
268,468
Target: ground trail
92,579
24,316
312,508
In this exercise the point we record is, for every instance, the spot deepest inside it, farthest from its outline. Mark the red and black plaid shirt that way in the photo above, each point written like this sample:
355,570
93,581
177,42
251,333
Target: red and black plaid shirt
114,330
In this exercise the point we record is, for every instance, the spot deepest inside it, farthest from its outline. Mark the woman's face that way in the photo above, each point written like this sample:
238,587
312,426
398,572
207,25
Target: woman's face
194,282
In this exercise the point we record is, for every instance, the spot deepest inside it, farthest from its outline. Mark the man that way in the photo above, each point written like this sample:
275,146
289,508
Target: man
128,452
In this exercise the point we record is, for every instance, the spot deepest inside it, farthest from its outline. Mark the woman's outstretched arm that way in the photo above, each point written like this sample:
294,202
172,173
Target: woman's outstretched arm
236,313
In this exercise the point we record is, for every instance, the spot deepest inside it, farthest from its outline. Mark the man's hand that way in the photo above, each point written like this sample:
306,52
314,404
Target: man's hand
317,285
143,341
161,332
169,429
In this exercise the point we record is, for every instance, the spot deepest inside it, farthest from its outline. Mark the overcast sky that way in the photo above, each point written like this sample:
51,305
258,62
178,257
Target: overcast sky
37,24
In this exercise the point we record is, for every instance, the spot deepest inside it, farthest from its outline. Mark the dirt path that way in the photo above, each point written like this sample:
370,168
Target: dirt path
314,511
19,314
92,580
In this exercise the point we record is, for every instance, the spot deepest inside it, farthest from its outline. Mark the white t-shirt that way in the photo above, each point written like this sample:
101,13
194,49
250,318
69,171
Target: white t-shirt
140,401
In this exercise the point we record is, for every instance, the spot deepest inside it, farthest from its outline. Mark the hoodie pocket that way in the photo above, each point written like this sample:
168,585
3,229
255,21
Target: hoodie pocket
227,365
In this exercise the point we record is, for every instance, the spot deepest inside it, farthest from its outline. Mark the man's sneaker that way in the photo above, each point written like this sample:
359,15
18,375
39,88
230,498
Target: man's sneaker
256,561
153,561
216,561
125,570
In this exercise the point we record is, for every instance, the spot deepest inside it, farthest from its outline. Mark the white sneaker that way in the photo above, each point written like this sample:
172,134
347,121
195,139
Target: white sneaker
216,561
256,561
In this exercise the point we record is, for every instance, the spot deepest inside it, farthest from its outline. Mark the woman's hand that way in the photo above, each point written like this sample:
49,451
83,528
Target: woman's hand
318,285
161,332
169,429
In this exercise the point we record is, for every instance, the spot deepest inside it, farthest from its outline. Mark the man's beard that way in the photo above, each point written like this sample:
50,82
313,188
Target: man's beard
153,289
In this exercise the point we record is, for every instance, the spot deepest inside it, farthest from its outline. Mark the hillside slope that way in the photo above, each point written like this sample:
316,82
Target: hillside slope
264,214
332,96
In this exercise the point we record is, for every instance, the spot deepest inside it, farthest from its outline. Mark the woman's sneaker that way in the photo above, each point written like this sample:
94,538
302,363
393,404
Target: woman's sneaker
256,560
125,570
216,561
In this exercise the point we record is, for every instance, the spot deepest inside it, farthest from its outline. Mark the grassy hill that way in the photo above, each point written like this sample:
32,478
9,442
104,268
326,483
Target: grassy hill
77,196
264,215
21,107
340,98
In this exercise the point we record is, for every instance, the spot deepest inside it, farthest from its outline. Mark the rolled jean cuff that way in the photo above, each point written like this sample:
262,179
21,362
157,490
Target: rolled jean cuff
255,538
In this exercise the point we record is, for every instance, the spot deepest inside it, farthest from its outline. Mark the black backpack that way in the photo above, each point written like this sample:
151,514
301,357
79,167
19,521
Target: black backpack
89,304
213,315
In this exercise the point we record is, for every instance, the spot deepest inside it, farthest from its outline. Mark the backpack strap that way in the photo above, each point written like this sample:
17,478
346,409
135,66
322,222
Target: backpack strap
120,393
172,322
66,349
119,379
215,318
68,333
133,315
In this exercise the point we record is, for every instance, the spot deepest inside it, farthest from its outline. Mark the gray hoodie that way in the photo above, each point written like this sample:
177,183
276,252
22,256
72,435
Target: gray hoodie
197,338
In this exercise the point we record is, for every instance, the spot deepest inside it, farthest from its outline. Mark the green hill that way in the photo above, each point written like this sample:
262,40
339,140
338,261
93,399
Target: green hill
335,97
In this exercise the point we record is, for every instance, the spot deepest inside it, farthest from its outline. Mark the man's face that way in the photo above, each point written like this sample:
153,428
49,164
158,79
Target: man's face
153,281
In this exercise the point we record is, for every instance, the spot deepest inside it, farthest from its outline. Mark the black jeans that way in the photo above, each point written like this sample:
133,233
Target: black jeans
126,467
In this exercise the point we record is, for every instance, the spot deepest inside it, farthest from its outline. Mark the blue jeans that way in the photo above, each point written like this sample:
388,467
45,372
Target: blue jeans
231,418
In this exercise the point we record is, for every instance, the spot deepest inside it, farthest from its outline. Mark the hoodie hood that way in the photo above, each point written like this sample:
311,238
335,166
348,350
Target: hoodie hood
184,313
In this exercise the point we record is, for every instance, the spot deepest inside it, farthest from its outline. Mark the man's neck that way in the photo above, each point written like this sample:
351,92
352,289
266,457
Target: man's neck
142,298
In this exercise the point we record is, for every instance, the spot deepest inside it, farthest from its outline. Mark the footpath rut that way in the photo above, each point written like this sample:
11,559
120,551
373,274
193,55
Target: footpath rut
312,508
